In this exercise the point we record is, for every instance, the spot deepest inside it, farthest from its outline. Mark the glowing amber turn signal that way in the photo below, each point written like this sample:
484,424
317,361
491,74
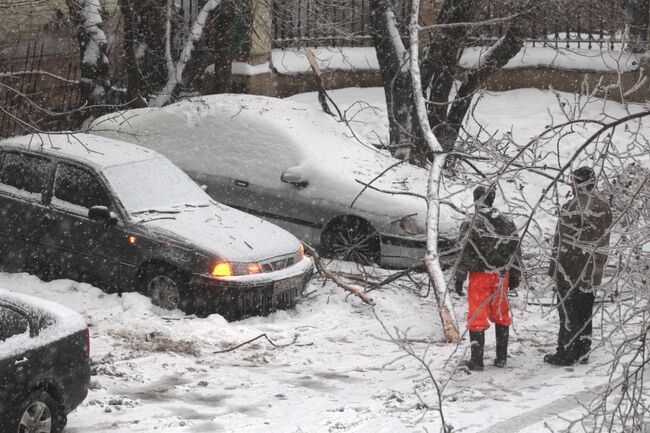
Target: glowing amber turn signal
254,269
302,251
132,240
222,269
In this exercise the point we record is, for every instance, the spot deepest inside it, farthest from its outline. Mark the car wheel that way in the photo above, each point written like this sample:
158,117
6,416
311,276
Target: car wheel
352,239
166,288
40,413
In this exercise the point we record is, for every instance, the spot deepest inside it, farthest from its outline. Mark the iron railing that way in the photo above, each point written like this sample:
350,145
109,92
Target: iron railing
590,24
327,22
36,90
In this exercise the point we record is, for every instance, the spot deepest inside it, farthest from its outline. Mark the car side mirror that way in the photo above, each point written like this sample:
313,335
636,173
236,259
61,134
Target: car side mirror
293,176
102,214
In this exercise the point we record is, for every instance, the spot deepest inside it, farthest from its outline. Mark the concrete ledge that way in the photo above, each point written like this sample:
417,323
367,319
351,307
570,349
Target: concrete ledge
274,84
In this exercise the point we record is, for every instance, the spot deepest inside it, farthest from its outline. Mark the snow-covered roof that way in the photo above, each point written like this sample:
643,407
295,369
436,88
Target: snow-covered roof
62,322
100,152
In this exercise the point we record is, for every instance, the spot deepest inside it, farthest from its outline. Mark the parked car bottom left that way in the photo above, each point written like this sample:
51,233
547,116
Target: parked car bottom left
44,364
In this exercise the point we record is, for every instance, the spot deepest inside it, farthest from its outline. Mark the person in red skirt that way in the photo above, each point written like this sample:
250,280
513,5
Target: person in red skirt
491,257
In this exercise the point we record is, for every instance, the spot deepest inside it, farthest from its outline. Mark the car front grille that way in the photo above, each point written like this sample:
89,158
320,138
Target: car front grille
277,264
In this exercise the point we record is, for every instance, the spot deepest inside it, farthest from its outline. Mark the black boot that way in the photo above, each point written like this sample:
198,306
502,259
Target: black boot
477,341
501,332
561,357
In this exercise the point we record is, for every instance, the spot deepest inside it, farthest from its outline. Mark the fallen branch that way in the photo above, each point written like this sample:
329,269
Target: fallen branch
355,290
323,97
397,275
295,338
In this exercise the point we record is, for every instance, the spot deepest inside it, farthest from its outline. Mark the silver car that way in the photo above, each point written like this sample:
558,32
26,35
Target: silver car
294,166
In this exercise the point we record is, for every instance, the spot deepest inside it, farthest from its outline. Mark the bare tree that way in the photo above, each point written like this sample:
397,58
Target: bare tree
168,48
439,67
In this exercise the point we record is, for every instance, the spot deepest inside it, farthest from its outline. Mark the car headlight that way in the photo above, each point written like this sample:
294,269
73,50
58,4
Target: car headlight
229,269
410,226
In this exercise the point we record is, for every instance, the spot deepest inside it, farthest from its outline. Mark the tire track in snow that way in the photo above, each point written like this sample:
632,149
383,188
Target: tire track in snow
549,410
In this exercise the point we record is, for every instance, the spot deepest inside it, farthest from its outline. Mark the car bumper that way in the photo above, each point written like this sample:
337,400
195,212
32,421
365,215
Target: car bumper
399,251
251,295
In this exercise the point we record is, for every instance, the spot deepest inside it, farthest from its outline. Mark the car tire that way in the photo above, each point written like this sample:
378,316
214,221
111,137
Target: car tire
167,288
353,239
39,408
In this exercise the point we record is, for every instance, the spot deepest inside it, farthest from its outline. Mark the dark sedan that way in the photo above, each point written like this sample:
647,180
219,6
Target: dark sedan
120,217
44,364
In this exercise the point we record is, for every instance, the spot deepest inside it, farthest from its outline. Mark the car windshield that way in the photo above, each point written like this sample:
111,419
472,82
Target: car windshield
154,185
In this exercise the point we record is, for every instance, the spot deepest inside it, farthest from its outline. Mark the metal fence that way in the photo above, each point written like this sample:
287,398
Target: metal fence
583,24
590,24
327,22
36,90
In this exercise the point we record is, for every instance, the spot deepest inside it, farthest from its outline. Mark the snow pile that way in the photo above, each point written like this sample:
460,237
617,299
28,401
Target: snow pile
292,61
571,59
240,68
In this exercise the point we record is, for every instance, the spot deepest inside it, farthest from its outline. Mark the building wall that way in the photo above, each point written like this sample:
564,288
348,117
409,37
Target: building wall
22,20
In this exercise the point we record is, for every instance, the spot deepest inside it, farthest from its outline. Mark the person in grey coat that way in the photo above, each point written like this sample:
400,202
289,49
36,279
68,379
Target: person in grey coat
577,262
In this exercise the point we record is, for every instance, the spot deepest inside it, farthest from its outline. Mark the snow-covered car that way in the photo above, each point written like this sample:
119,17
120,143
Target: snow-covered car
120,216
44,363
294,166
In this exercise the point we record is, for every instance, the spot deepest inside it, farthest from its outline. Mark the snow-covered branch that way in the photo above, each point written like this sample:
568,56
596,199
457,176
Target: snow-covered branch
176,71
87,17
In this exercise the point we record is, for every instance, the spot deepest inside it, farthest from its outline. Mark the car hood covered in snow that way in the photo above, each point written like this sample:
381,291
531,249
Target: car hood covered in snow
222,231
312,145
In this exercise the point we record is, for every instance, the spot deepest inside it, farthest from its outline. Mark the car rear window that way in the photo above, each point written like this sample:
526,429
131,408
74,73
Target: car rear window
12,323
24,174
78,187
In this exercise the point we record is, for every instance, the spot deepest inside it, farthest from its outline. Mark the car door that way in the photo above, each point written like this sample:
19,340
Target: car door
24,179
257,186
96,252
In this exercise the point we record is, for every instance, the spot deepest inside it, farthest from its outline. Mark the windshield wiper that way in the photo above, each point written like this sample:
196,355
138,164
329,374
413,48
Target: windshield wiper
163,211
195,205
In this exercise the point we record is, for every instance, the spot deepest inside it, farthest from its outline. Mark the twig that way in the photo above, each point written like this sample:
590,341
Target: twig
295,338
355,290
397,275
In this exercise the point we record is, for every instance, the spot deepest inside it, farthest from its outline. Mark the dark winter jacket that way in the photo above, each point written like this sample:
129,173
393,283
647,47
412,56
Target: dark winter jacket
581,238
491,246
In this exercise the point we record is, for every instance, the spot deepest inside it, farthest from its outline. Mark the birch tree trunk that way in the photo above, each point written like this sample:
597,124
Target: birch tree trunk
432,258
86,16
176,68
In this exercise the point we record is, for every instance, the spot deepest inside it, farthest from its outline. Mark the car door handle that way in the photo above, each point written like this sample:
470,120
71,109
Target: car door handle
241,183
21,361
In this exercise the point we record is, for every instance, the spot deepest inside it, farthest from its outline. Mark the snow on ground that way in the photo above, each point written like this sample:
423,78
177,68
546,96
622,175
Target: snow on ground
156,371
294,61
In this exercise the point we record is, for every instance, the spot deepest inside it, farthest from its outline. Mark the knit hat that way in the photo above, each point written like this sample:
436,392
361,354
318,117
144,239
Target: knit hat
480,192
583,176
